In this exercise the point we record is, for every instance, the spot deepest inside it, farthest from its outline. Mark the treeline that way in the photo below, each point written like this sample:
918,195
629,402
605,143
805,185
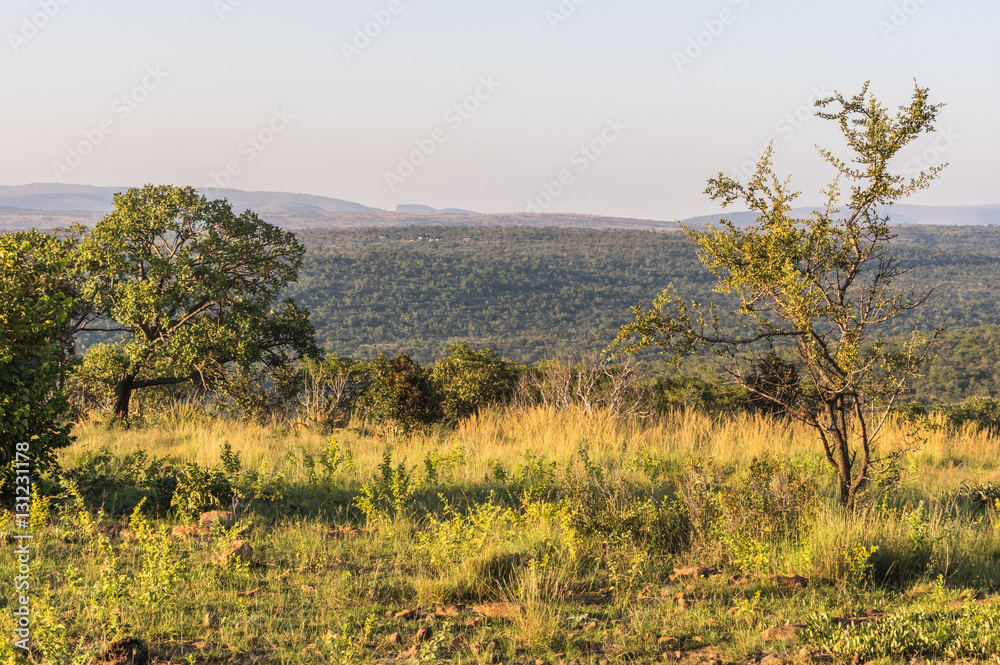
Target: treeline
541,293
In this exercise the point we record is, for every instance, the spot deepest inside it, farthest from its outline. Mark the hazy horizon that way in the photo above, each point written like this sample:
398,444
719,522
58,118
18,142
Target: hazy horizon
487,105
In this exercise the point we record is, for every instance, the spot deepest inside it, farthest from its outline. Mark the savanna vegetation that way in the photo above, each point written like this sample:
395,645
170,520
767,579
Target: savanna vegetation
210,487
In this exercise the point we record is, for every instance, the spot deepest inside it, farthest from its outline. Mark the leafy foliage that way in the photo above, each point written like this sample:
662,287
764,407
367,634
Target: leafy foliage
401,394
193,287
469,379
825,285
33,311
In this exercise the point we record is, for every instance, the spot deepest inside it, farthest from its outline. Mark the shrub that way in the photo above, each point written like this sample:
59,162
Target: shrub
470,379
401,395
33,311
611,509
983,411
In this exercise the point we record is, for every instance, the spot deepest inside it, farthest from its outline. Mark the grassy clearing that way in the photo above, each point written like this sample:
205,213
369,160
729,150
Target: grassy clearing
521,536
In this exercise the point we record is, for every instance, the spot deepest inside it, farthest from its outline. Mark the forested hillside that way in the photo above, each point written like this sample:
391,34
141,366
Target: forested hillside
539,293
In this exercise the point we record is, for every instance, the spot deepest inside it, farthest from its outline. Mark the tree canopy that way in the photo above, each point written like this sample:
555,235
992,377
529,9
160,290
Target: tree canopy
191,286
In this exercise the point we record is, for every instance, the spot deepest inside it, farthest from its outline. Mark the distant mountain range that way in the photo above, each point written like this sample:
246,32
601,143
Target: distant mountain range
84,198
54,205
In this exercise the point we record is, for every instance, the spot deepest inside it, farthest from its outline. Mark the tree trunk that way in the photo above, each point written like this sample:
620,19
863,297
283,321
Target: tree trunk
123,395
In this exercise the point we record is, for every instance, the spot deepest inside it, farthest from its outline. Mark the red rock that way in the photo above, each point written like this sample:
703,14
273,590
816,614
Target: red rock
790,581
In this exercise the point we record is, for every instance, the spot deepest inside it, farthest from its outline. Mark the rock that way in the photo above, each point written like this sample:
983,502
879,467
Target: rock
130,651
185,532
210,620
508,611
666,640
394,639
771,659
424,634
224,518
790,581
781,633
452,611
406,615
683,602
590,626
696,572
239,550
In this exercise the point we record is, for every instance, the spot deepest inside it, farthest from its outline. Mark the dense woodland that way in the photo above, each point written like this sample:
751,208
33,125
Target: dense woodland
532,294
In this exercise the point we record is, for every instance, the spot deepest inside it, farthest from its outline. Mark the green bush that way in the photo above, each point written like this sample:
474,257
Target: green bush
470,379
401,394
681,392
33,311
983,411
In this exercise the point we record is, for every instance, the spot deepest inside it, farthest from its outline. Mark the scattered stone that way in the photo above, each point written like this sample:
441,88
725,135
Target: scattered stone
508,611
790,581
199,645
452,611
224,518
771,659
590,626
330,635
186,532
111,530
541,661
695,572
129,651
476,647
781,633
666,640
424,634
309,588
683,602
394,639
239,550
210,620
406,615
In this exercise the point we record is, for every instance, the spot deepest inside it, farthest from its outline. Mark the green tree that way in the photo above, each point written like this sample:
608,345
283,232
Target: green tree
470,379
192,287
827,284
33,313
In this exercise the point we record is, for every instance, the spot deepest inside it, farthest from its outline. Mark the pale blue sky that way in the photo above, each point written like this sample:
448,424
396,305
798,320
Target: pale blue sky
222,79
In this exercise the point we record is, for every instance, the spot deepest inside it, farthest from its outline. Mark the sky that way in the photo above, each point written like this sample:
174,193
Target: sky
621,108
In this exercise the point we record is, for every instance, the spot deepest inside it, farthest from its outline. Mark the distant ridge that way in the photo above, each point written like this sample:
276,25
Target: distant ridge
54,197
412,207
53,205
905,215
